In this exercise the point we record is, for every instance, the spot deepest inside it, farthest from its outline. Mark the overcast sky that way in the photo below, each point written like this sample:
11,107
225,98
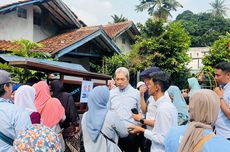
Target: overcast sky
95,12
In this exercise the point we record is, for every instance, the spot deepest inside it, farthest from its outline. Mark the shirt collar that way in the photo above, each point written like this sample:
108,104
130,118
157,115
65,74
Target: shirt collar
5,100
226,86
125,89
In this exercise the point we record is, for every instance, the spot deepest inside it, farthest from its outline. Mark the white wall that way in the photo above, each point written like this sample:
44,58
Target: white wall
45,30
13,27
125,48
196,54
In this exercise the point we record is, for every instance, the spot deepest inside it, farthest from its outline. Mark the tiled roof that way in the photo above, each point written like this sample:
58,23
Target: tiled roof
114,29
54,44
61,41
8,45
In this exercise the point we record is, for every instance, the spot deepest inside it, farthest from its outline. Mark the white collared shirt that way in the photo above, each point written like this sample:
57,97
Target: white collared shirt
166,117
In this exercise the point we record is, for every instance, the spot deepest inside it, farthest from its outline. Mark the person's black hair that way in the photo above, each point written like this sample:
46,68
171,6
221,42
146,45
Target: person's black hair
162,79
31,81
224,66
2,90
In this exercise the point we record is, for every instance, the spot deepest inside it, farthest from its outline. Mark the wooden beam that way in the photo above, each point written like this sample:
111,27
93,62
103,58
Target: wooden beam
54,14
60,12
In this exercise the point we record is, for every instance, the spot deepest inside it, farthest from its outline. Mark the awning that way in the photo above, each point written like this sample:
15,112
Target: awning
49,66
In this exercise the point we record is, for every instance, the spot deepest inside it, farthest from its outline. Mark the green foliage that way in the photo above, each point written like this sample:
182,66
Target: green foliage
203,28
111,64
22,74
117,19
159,9
167,50
158,45
219,52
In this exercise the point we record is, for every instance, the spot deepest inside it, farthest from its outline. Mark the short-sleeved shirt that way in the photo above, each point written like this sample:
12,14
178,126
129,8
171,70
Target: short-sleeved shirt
12,119
223,123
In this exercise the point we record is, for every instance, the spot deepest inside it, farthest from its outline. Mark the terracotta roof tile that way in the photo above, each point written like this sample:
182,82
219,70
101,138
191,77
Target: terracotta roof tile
61,41
114,29
8,45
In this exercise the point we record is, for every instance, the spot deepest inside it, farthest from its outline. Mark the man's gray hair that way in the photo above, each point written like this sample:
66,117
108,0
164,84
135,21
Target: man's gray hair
123,70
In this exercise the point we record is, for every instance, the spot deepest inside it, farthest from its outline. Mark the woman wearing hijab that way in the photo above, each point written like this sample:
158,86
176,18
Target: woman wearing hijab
24,98
180,104
50,109
198,135
193,85
99,125
37,138
71,123
67,102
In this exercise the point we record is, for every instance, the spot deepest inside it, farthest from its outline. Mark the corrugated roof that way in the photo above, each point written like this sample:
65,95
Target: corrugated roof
49,66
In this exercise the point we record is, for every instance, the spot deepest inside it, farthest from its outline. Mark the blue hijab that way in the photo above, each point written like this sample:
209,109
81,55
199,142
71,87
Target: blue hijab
97,104
193,85
178,100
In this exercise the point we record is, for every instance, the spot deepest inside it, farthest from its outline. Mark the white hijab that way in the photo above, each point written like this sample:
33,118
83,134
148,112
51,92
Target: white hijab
24,98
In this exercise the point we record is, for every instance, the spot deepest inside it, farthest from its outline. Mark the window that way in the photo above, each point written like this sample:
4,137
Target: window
37,19
22,13
123,40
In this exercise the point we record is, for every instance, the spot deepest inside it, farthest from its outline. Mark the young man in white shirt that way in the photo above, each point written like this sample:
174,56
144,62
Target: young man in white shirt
222,75
166,113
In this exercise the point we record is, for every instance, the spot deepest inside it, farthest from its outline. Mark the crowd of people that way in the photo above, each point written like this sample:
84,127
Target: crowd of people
35,117
156,116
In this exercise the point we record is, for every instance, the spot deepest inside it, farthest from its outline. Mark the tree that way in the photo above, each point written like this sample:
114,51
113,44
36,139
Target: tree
204,28
219,51
22,74
117,19
159,9
219,8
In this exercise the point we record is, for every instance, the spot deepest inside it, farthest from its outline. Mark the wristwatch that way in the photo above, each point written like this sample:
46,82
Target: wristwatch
221,98
142,121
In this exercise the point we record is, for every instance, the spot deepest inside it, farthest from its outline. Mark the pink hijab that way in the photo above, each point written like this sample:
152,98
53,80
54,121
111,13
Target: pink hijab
50,109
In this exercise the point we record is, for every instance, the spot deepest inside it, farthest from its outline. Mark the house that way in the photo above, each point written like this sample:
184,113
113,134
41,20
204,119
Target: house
35,20
196,54
62,33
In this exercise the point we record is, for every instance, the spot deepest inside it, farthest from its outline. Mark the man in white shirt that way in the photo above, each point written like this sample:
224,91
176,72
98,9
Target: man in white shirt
123,98
222,75
166,113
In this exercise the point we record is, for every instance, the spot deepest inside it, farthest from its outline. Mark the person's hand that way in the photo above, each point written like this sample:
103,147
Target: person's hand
143,89
219,91
135,129
137,117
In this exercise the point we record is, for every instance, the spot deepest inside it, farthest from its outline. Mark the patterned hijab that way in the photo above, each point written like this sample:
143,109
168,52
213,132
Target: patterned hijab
97,104
50,109
204,107
37,138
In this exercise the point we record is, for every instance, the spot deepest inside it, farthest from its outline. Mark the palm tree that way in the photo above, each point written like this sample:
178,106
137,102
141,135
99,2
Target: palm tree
117,19
219,8
159,9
